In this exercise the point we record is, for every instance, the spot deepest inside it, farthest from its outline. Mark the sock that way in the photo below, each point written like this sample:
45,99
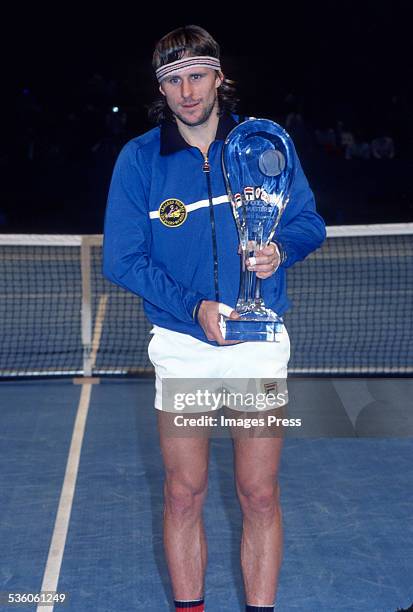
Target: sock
250,608
194,605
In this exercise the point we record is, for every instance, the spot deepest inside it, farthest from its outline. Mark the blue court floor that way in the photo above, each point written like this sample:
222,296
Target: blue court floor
347,506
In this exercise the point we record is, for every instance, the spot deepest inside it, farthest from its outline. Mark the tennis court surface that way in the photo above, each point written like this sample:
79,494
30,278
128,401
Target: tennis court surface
81,478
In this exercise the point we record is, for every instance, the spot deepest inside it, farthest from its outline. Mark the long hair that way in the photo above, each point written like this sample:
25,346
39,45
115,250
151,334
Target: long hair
189,40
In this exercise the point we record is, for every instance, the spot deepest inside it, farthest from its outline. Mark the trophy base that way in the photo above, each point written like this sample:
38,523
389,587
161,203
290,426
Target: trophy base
250,330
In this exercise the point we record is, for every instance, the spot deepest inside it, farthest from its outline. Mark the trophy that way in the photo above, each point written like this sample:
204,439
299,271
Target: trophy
259,167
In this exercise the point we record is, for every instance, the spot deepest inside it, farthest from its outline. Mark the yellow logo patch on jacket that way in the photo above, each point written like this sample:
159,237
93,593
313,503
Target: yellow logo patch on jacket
172,212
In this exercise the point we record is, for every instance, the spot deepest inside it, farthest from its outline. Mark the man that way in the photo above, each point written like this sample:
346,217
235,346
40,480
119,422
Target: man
170,237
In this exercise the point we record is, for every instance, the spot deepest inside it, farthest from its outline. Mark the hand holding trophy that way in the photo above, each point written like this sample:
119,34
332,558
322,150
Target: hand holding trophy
259,168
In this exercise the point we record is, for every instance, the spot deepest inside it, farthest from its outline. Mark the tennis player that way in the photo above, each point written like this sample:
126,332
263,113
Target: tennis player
170,237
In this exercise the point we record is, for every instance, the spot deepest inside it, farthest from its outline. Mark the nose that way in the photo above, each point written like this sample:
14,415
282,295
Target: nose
186,88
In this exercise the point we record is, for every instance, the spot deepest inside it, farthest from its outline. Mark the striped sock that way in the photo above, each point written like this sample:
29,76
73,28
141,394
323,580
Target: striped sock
250,608
195,605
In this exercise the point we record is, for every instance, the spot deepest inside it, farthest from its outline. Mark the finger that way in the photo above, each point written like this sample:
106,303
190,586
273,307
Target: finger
265,255
223,342
268,250
264,275
216,335
217,329
261,257
266,270
258,262
225,310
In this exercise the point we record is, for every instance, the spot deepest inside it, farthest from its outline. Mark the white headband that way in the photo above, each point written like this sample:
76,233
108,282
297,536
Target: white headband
187,62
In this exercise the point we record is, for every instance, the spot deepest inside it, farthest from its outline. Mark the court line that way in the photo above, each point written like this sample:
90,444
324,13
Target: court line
61,526
57,545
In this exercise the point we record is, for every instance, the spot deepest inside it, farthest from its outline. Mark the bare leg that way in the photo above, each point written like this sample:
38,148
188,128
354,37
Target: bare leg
256,469
185,487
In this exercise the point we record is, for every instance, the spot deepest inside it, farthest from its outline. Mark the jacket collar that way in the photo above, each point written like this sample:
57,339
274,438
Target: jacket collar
172,141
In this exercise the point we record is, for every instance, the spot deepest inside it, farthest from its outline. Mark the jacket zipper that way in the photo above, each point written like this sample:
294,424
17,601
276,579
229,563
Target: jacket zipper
207,170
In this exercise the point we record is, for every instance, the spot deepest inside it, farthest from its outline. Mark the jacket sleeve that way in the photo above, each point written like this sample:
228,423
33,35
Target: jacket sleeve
128,240
301,229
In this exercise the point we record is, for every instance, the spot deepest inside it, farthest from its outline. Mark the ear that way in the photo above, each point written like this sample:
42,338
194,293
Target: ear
219,79
161,90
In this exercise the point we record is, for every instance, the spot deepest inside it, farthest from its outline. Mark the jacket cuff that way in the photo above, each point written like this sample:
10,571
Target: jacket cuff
196,310
193,303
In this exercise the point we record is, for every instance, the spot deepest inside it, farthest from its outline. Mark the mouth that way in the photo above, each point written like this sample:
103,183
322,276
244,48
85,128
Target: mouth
190,105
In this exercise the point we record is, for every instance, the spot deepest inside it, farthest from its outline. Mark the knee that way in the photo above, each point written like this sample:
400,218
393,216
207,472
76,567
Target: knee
256,499
184,497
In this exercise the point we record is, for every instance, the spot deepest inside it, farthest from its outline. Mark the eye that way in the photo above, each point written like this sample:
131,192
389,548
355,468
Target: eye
196,77
173,80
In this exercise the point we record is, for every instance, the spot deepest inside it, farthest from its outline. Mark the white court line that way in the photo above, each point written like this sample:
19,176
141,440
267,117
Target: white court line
57,545
61,526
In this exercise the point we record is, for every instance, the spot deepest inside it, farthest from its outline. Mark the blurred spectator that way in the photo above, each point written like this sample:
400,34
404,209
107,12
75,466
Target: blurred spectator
327,139
299,131
359,150
383,148
116,120
341,142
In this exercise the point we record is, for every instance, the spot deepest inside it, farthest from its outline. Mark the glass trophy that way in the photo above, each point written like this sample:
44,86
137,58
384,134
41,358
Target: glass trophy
259,168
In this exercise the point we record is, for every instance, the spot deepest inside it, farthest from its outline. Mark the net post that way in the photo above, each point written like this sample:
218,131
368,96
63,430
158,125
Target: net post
86,312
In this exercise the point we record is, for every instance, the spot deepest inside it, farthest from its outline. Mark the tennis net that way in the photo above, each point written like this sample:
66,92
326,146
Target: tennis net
351,315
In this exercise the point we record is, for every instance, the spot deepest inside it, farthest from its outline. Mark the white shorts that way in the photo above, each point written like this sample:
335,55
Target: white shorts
234,368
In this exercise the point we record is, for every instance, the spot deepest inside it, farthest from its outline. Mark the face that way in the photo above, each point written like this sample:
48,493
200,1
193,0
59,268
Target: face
191,94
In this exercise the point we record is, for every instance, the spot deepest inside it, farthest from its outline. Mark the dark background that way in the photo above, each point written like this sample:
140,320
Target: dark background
320,69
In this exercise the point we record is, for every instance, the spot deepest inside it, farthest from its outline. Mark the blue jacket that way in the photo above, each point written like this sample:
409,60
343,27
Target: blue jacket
170,236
